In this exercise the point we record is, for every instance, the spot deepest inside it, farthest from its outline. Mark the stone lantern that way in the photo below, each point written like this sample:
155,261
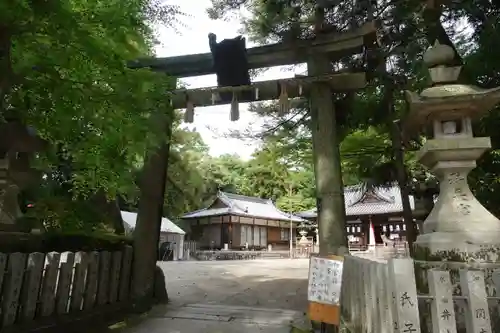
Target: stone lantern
458,228
18,144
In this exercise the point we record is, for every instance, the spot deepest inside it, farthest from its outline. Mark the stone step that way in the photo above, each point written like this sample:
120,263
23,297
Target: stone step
227,313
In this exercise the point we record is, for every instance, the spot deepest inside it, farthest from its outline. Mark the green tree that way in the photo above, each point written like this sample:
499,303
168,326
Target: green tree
63,71
409,28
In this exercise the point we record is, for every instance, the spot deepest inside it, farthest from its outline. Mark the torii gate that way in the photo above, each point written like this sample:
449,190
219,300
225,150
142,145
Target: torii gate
318,53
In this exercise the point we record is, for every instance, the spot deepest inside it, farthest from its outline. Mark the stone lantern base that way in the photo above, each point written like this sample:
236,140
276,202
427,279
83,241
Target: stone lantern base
458,247
458,228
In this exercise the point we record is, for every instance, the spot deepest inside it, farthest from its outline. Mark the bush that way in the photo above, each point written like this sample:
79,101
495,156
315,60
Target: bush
61,242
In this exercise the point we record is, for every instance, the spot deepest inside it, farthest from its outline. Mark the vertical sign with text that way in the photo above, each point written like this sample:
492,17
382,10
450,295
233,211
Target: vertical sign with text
325,281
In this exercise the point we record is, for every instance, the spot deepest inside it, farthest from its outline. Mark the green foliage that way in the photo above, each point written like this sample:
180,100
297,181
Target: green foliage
58,213
63,68
70,81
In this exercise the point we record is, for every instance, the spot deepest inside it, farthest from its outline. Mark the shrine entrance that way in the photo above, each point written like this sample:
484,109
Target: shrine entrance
318,87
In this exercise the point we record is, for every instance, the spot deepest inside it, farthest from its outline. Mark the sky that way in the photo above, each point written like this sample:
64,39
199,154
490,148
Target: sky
212,122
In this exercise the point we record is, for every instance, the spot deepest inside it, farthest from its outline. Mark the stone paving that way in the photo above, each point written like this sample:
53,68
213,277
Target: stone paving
263,296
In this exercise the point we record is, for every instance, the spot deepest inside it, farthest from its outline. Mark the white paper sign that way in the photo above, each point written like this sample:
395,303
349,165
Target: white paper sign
325,280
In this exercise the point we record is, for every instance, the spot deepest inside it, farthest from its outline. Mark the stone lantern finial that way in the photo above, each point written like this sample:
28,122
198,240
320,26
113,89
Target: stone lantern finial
439,58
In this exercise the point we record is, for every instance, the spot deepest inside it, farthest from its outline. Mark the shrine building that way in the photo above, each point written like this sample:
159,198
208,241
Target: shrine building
380,206
240,222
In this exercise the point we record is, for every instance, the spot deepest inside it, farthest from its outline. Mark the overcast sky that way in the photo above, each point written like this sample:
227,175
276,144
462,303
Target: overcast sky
193,39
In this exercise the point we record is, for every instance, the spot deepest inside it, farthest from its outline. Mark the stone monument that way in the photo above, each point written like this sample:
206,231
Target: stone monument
18,144
458,228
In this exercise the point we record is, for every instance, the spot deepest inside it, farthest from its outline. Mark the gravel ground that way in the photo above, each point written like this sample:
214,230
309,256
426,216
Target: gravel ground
273,283
255,296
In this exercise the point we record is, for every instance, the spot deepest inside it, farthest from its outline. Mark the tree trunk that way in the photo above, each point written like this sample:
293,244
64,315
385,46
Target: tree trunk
328,173
110,209
150,213
403,185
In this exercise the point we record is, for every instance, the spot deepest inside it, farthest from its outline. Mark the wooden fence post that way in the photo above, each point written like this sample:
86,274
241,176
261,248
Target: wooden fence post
64,283
3,265
91,281
81,265
104,271
114,283
48,299
125,274
16,264
32,282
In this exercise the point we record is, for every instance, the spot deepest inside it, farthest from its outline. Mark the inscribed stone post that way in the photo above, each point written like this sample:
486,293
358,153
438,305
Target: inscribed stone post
477,314
367,287
385,291
375,299
402,278
442,309
359,303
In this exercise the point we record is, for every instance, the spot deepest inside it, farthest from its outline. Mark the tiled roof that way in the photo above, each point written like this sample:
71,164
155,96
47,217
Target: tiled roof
130,219
244,206
362,201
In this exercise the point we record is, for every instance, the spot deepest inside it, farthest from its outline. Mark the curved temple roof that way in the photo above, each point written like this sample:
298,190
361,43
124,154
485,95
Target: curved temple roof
360,200
243,206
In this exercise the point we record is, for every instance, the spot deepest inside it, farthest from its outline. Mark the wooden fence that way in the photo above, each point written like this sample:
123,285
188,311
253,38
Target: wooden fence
190,248
380,296
39,286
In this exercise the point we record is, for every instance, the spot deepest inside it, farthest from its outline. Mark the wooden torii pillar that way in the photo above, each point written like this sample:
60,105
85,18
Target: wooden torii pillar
319,86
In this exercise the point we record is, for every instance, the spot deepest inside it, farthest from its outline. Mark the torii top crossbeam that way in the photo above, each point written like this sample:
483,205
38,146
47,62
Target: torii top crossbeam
335,44
297,87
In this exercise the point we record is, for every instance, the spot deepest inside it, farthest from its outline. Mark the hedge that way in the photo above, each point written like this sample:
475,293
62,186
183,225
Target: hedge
61,242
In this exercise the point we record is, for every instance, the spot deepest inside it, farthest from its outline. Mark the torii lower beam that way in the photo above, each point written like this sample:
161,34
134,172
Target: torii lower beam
335,45
269,90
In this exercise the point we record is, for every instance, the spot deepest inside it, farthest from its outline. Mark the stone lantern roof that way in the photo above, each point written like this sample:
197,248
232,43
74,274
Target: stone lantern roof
446,99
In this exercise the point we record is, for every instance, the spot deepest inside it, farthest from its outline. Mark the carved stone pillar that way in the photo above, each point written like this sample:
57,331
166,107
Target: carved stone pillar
17,145
9,191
